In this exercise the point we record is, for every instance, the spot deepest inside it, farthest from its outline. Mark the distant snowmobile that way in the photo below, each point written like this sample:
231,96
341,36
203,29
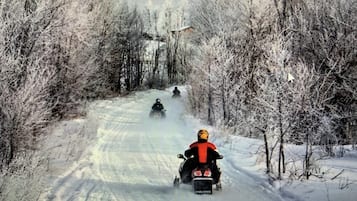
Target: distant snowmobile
176,93
157,114
157,110
176,96
200,178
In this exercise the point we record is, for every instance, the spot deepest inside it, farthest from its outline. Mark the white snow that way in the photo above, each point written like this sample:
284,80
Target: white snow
121,154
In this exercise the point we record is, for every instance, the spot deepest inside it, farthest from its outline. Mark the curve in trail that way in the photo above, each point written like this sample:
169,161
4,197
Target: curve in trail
134,158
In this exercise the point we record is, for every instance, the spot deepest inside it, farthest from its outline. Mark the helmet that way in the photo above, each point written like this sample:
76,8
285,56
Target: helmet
158,100
202,135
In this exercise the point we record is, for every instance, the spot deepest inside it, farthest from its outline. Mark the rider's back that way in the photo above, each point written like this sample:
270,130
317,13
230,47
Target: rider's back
204,152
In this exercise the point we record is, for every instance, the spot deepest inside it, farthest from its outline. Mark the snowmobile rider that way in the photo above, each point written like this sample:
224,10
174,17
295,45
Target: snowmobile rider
204,153
176,92
157,105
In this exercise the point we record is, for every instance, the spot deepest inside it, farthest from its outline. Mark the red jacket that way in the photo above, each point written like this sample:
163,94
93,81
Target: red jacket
204,151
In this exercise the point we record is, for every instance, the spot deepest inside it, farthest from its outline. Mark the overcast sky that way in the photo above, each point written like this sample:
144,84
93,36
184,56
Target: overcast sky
161,5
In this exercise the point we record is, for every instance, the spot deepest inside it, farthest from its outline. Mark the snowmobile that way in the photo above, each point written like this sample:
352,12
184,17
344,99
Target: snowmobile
200,177
157,114
176,96
176,93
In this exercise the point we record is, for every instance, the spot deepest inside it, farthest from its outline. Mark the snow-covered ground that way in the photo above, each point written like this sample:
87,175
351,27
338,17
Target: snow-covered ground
336,178
127,156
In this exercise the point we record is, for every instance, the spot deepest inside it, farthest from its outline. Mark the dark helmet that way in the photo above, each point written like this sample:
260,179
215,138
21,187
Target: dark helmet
202,135
158,100
175,88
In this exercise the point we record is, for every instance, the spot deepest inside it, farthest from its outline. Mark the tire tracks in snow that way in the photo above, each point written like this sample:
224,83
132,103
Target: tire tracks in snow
135,158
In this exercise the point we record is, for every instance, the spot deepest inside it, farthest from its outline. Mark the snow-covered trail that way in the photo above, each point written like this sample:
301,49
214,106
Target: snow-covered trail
134,157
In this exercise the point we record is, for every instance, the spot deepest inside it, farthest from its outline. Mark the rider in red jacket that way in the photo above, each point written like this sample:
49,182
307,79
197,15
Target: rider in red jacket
204,153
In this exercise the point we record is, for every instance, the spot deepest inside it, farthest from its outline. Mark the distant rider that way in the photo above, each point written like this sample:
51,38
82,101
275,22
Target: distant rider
157,105
176,92
203,153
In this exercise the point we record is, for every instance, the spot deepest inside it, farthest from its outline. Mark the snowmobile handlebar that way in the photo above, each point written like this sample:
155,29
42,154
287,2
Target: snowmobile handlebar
181,156
163,110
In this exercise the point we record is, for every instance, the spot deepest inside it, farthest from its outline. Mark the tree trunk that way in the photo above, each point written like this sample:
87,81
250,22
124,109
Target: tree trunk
225,116
210,104
266,144
281,165
307,158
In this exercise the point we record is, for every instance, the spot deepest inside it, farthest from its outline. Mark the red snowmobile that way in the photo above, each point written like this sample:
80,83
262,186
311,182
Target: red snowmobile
200,177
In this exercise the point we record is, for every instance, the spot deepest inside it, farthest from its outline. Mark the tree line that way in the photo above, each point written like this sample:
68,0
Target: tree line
281,70
57,54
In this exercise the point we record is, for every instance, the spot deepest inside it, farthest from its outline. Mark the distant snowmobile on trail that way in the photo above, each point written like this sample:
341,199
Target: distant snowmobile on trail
176,93
157,110
199,167
176,96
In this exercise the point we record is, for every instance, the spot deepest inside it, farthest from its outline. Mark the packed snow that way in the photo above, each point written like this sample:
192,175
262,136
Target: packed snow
119,153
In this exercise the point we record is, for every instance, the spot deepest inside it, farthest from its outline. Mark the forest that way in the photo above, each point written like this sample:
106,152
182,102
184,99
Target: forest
284,71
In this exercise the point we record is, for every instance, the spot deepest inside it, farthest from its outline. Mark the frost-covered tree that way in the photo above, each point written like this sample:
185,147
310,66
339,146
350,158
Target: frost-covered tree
54,55
212,77
210,18
27,71
178,32
278,48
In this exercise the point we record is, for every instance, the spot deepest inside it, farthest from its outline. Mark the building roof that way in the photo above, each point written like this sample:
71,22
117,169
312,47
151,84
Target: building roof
182,29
